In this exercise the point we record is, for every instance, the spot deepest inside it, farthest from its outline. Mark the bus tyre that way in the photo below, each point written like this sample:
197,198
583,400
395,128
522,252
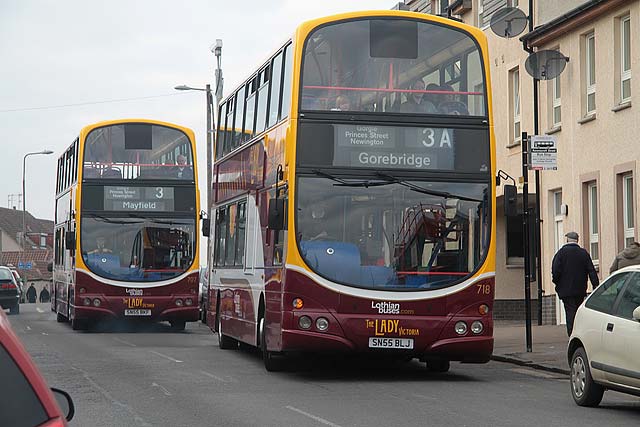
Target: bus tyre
178,325
225,342
78,324
271,362
60,318
584,390
438,365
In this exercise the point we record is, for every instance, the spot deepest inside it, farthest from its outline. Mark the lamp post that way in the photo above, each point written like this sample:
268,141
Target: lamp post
207,90
24,196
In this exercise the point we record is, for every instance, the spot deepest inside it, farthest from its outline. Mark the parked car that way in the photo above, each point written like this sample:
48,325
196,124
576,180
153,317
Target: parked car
20,282
10,291
27,400
604,347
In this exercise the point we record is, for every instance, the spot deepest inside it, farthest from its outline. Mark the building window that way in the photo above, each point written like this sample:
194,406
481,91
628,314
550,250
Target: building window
590,73
556,105
627,209
514,80
625,59
558,217
592,193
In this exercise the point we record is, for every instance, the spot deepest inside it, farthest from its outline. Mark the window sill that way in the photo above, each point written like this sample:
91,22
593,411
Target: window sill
515,266
621,106
554,129
587,119
514,144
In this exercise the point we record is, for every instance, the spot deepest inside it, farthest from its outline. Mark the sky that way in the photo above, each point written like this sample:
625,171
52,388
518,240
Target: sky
70,63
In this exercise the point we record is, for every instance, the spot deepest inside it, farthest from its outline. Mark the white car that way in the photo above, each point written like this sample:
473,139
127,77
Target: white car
604,348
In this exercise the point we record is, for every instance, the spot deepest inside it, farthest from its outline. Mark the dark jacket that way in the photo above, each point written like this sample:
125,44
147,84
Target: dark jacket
629,256
32,294
44,295
570,267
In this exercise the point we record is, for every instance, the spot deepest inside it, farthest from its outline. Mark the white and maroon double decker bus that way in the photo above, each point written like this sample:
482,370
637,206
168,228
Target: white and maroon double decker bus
353,194
126,233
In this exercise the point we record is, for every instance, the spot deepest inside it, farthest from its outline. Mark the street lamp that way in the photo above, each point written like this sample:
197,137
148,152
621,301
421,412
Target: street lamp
207,89
24,196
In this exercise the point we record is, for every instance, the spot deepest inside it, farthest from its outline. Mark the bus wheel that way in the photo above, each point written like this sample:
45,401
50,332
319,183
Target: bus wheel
271,362
178,325
438,365
225,342
60,318
78,324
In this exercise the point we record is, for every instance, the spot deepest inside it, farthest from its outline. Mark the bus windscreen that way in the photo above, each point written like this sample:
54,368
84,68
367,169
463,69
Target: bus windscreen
423,68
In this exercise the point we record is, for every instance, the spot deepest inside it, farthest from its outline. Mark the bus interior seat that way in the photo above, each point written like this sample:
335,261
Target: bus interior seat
112,173
377,276
335,260
104,262
90,172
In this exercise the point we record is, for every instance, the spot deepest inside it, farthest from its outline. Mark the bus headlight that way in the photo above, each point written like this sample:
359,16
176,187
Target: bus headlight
96,302
477,327
188,301
461,328
179,302
87,301
322,324
304,322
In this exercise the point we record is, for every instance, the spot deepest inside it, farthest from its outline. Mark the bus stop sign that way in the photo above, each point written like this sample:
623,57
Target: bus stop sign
543,153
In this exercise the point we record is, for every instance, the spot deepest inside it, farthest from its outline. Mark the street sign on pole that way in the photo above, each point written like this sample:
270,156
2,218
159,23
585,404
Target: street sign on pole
544,153
27,265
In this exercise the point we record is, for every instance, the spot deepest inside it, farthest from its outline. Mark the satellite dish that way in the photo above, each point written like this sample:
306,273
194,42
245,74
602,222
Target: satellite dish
546,64
509,22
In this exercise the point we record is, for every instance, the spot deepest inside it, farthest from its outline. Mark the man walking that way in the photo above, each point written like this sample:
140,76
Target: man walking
570,267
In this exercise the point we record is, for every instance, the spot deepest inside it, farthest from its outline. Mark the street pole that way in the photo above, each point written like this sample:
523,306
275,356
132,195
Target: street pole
24,198
525,217
538,223
209,151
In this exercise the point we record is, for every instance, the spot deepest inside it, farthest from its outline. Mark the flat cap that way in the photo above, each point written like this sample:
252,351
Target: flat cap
572,235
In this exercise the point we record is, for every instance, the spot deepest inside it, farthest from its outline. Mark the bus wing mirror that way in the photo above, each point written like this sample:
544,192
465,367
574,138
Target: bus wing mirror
277,209
510,200
206,227
70,240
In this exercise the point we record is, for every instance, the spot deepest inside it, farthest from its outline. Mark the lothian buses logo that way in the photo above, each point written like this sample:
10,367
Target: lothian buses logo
386,307
134,292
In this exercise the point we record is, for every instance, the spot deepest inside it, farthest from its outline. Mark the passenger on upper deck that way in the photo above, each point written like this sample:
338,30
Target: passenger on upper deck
450,104
181,170
343,103
416,100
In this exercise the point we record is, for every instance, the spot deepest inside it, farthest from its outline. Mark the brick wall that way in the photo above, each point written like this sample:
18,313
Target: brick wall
514,309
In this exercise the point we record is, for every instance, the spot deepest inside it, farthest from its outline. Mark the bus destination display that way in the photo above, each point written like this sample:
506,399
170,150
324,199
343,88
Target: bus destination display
393,147
133,199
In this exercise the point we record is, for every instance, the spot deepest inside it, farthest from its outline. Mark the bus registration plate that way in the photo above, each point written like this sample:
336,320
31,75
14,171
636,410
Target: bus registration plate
137,312
401,343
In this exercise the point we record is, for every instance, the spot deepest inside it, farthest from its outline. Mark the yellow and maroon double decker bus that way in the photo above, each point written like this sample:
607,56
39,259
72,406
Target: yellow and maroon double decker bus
126,233
353,207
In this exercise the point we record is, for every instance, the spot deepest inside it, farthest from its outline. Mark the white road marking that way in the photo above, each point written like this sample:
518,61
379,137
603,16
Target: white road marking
28,328
39,310
164,390
535,373
422,396
313,417
166,357
130,344
108,396
44,333
215,377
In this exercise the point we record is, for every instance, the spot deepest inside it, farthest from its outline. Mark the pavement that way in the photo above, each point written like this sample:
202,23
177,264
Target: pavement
548,349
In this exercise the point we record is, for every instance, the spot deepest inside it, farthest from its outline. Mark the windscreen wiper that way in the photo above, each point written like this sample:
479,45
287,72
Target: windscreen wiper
417,188
343,183
110,220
